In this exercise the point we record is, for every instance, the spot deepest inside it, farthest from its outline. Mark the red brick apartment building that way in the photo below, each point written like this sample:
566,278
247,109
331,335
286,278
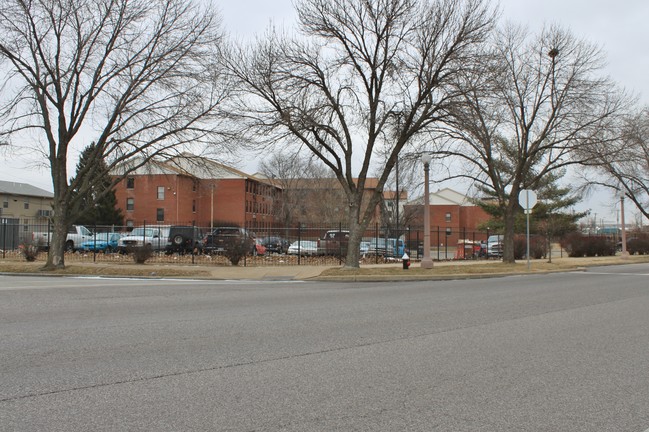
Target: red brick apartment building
189,189
452,214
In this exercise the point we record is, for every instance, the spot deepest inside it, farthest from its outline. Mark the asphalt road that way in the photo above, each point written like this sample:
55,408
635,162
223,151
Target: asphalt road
560,352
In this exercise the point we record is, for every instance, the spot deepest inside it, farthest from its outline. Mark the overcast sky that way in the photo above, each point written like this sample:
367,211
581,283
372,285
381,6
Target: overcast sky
620,28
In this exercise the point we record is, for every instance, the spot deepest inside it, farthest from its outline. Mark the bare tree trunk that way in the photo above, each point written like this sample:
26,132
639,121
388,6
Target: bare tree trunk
356,231
56,254
508,239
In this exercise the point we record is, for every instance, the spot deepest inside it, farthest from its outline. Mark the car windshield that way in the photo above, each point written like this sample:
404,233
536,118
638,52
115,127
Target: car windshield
143,232
102,237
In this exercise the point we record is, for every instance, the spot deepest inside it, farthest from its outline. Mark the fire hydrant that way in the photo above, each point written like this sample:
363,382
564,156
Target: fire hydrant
406,261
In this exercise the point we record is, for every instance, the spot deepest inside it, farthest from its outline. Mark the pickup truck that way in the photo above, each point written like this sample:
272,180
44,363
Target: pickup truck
153,236
77,234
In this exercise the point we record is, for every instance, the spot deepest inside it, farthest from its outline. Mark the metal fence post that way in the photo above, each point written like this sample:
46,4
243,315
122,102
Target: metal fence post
4,238
299,243
340,244
49,235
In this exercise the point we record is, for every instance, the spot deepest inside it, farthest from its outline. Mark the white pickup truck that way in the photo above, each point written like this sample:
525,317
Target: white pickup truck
77,234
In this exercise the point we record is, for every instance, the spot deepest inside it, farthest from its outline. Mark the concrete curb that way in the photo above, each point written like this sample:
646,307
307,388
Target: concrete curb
417,278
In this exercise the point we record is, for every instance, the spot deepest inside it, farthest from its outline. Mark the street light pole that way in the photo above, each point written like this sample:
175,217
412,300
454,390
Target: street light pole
212,208
426,262
625,253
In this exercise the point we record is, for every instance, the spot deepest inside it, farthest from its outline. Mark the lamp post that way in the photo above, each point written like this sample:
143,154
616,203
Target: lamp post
212,208
625,253
426,261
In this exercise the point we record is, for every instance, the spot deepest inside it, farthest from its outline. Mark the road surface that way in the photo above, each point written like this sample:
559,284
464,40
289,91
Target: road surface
559,352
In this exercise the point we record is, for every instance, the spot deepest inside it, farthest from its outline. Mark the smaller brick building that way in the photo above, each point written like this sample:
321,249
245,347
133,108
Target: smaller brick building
453,216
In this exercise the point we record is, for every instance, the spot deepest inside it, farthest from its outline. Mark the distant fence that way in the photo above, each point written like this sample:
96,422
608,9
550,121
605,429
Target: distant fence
443,240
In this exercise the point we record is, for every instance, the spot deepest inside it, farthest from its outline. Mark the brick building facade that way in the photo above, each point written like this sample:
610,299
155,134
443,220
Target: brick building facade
192,190
452,217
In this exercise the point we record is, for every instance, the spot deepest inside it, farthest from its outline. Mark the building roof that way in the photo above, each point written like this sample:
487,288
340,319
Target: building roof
23,189
392,195
204,168
190,165
444,196
315,183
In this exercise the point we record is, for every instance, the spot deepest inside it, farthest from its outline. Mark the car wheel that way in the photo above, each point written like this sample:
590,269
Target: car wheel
178,239
69,246
108,249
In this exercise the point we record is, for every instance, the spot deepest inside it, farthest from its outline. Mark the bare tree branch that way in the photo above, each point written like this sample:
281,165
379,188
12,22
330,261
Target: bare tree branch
530,112
136,77
335,90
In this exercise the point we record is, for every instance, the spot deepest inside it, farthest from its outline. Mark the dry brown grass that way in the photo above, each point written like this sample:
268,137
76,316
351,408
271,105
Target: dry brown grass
143,270
484,267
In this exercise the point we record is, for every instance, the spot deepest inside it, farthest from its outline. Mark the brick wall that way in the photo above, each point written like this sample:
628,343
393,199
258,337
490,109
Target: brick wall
185,200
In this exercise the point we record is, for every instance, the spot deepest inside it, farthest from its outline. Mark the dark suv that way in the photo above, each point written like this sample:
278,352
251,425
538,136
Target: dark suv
225,239
184,239
275,244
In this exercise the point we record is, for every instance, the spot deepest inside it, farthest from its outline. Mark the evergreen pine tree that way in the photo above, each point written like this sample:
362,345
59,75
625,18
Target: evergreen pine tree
98,204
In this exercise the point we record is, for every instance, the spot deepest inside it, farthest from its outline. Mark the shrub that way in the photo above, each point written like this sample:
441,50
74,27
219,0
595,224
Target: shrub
578,245
538,247
237,248
638,245
141,253
30,250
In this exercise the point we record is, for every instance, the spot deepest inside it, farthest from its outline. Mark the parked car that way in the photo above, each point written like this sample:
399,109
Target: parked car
390,247
260,249
304,248
223,239
364,247
334,242
184,239
102,242
154,236
275,244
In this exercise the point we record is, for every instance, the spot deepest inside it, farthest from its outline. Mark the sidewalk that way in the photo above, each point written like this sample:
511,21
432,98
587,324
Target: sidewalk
442,270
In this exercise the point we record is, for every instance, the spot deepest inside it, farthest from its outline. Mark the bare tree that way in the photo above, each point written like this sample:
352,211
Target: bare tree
624,165
295,176
134,76
335,91
537,103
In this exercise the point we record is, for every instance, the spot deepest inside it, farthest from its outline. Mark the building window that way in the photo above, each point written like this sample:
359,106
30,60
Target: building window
130,182
448,231
26,204
26,225
193,206
130,204
160,215
448,217
161,192
129,224
5,203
